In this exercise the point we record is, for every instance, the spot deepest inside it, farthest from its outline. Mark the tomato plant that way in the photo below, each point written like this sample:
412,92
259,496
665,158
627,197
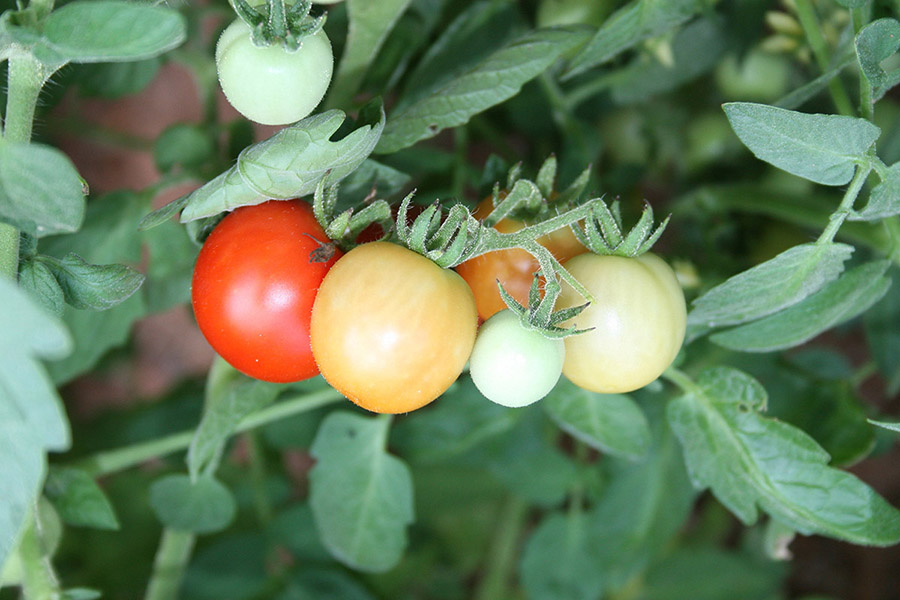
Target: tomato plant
273,85
390,329
514,366
253,288
514,268
638,318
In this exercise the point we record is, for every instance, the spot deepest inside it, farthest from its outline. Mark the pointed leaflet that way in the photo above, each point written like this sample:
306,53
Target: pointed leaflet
201,506
841,300
821,148
610,423
496,79
631,24
767,288
361,496
79,500
40,190
113,31
290,164
874,43
31,416
753,462
884,199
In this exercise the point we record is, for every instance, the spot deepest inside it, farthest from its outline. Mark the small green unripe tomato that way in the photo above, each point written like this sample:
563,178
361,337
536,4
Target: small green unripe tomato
514,366
271,85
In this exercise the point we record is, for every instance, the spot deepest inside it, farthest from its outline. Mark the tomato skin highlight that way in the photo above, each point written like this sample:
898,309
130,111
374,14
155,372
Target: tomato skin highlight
515,268
254,285
390,329
271,85
639,319
513,366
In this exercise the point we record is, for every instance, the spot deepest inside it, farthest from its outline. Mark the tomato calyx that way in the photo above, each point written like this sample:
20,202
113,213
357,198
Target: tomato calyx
276,22
344,228
603,232
539,315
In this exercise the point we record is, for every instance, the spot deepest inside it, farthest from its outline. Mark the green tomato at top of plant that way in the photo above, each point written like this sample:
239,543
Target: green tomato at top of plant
271,84
638,318
514,366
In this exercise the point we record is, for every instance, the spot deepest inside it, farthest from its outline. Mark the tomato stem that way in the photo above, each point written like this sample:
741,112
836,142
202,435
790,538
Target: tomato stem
172,557
502,553
843,211
39,580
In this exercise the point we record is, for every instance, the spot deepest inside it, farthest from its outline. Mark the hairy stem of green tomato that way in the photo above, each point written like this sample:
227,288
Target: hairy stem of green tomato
681,379
502,554
172,558
840,215
38,580
111,461
810,23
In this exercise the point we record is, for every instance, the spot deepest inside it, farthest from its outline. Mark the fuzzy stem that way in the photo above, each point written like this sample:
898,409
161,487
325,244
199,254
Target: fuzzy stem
501,557
838,216
810,23
39,581
172,558
111,461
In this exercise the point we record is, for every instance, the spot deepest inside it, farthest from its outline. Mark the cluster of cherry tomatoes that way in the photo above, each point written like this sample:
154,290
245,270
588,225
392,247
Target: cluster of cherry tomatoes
391,330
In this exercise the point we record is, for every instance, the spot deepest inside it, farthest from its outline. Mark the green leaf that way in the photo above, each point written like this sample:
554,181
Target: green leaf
370,23
610,423
495,79
290,164
27,329
204,506
629,26
557,562
22,467
79,500
222,414
90,31
884,199
93,287
750,461
882,326
40,190
771,286
890,426
695,50
840,300
116,80
295,528
25,387
876,42
713,574
643,505
171,266
361,496
182,145
38,280
821,148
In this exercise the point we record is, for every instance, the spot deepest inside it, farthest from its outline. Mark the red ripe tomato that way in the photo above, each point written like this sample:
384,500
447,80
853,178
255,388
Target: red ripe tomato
253,289
514,268
391,330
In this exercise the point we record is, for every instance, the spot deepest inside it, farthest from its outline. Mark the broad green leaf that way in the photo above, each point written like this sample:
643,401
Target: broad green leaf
557,562
370,23
495,79
642,505
40,190
821,148
290,164
695,50
882,326
884,199
222,414
182,145
25,387
113,31
38,280
25,329
79,500
93,287
22,467
838,301
203,506
753,462
610,423
890,426
771,286
705,573
361,496
108,236
630,25
874,43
